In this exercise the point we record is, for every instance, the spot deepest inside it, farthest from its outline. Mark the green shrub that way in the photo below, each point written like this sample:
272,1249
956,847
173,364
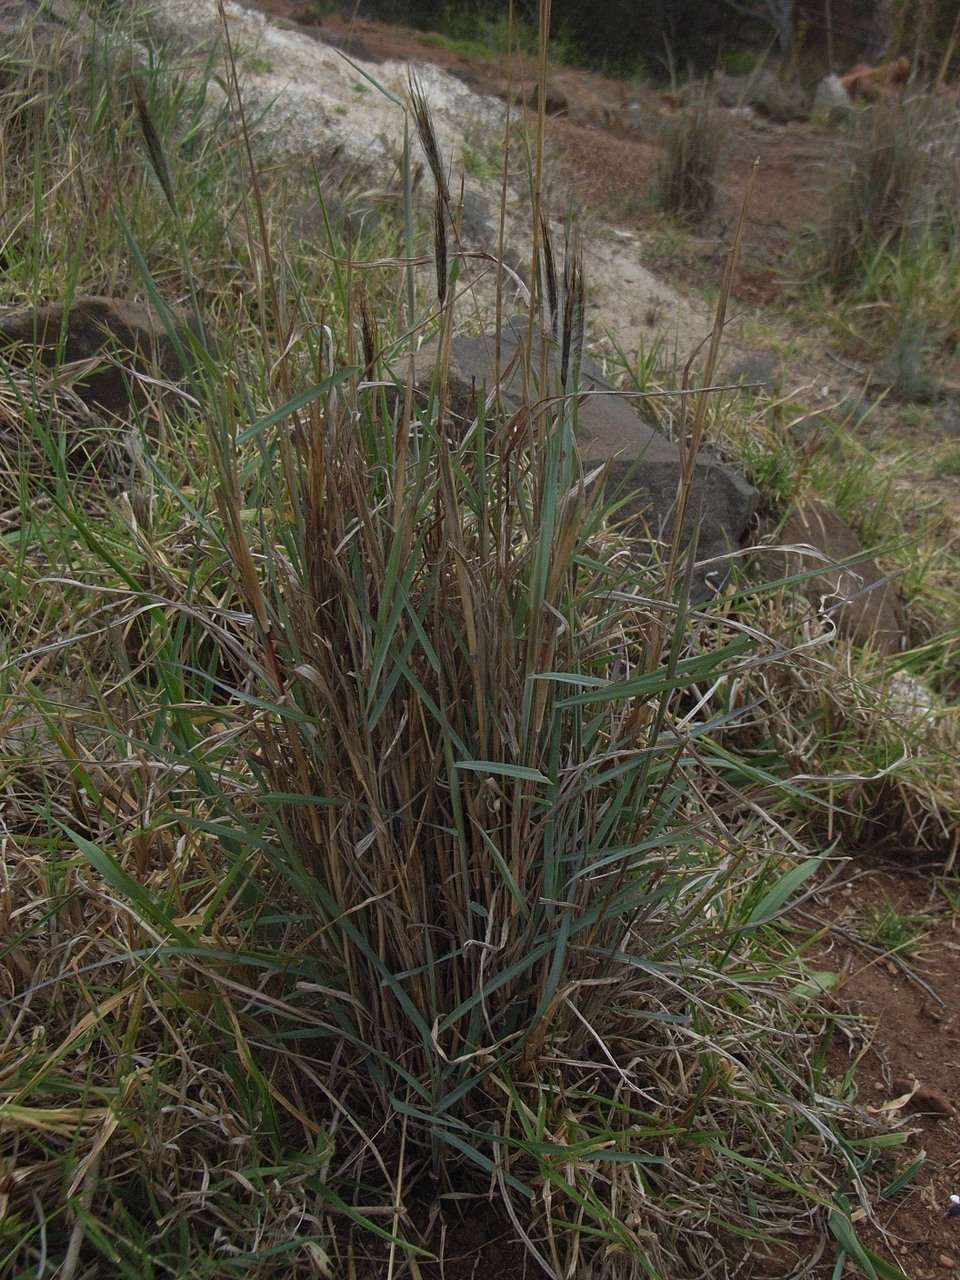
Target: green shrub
949,463
739,62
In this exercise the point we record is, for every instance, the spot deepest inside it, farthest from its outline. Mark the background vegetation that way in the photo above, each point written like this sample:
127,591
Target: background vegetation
647,36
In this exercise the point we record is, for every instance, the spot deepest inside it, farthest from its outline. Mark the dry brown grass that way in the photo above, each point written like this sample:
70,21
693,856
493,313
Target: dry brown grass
690,152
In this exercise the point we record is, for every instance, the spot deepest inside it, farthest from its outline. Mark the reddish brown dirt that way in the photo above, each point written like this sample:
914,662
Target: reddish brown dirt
478,1245
471,1239
912,1033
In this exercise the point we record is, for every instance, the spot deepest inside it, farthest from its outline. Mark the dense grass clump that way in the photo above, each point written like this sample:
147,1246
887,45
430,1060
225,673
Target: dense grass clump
899,189
891,249
690,149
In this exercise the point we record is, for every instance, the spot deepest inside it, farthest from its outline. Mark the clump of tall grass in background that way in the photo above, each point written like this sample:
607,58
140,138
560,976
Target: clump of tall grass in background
892,245
689,153
900,185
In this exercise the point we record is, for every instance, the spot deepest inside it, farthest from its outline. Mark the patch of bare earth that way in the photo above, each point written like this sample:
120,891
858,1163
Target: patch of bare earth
469,1239
903,1037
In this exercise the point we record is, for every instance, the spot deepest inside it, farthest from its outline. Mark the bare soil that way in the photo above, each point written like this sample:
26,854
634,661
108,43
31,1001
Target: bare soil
471,1239
905,1022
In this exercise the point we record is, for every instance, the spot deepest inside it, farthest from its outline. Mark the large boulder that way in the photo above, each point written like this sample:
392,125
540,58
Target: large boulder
831,102
347,219
862,602
16,15
118,339
643,467
479,224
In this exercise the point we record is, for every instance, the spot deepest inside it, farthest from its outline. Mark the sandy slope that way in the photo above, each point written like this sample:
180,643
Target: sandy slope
316,100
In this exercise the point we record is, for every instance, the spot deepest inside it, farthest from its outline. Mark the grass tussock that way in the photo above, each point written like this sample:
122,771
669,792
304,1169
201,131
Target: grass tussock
892,247
689,153
899,186
873,746
373,838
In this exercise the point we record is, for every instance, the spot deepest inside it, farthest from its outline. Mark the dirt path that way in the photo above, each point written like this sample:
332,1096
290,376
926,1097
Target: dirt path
603,148
316,101
649,282
646,278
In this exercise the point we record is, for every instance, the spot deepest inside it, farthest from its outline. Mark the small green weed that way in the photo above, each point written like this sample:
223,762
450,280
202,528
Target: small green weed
948,464
256,64
915,417
949,887
739,62
897,932
480,155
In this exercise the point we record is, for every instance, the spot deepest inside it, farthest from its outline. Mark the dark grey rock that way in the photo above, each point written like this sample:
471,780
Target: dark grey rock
478,226
774,98
947,417
42,34
720,500
863,604
644,466
118,338
347,219
16,14
760,370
